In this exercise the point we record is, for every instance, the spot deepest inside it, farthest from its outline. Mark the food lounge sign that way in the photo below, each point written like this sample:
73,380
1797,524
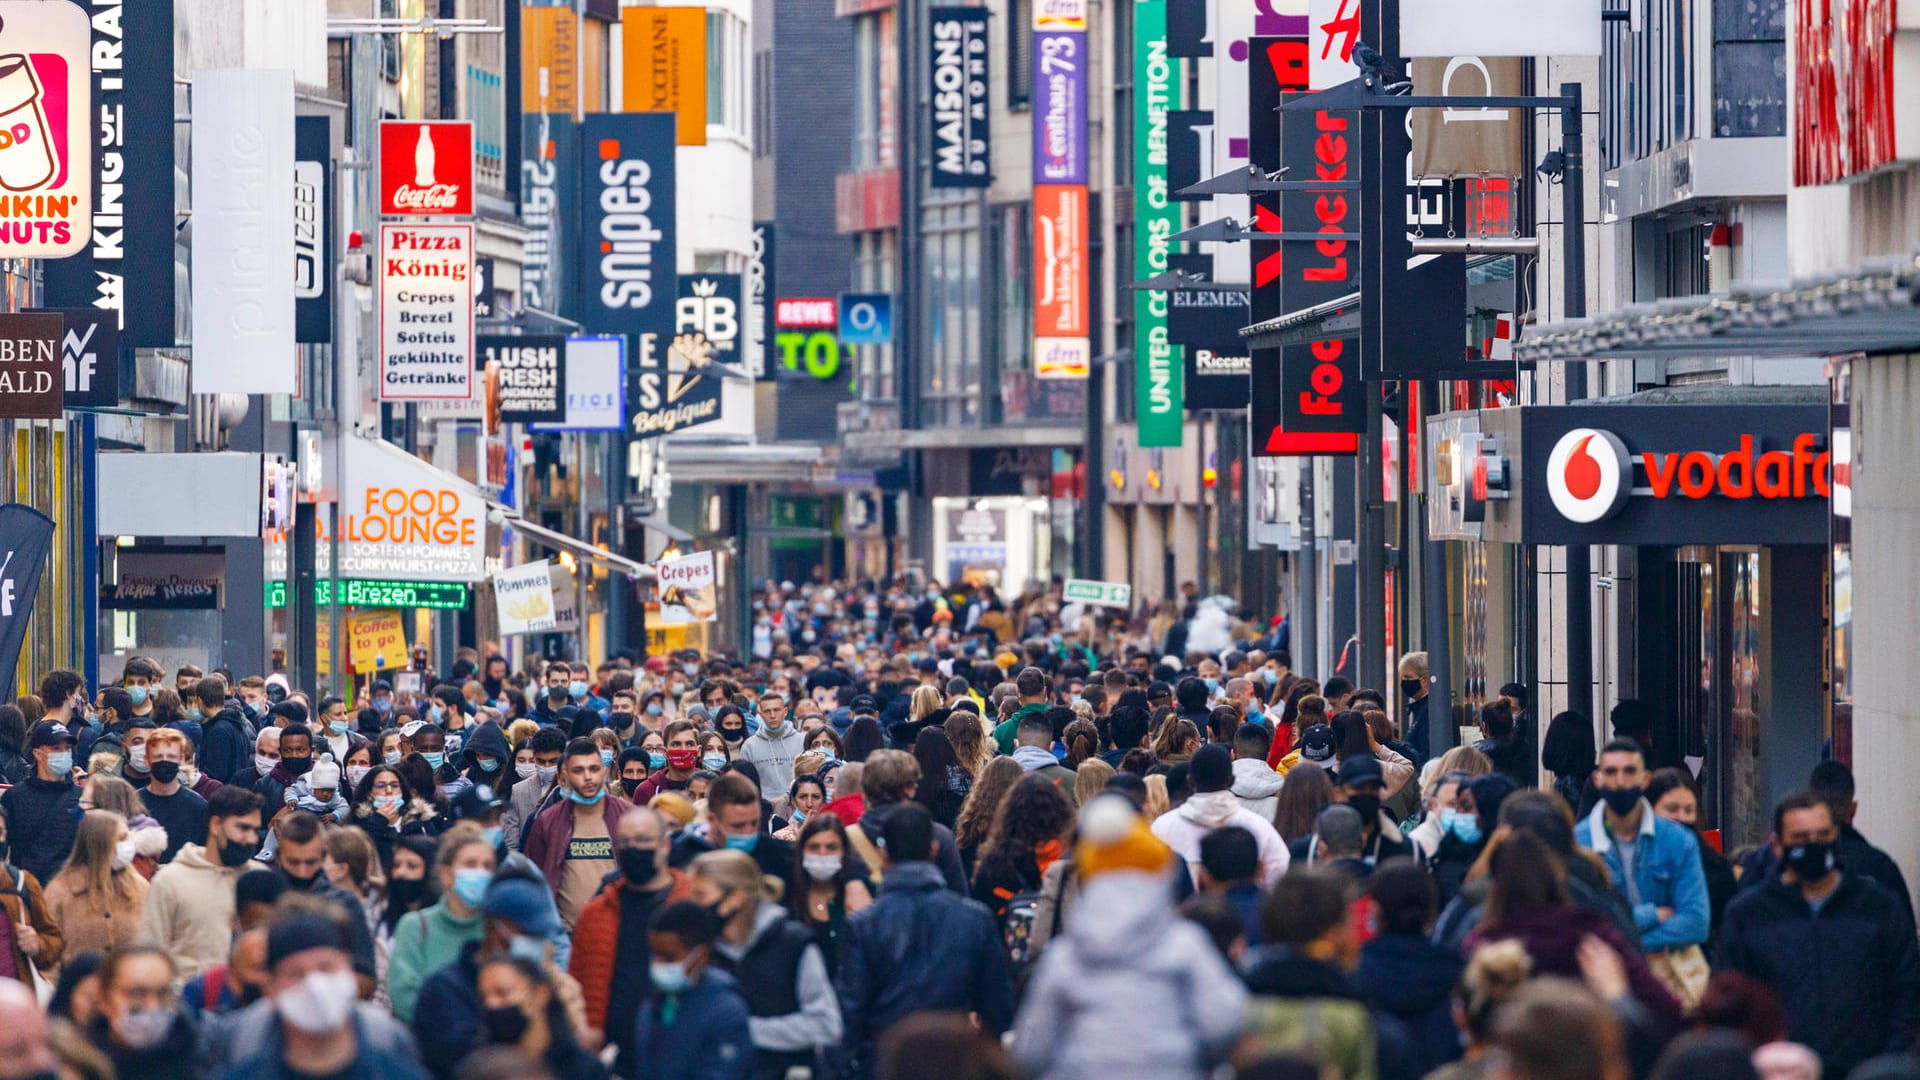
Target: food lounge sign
404,520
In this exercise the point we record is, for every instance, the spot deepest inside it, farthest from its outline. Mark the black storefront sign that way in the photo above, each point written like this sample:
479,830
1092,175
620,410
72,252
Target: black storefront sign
758,312
312,236
549,204
1669,475
89,357
1189,151
484,269
1005,470
26,537
710,306
1266,65
1187,30
1206,323
127,268
957,67
628,280
1323,404
32,382
531,373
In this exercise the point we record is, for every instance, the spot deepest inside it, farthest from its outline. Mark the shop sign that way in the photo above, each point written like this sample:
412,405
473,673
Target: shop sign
46,154
312,255
709,305
1157,391
1189,145
673,387
426,168
1060,15
376,641
1322,403
866,318
664,58
1846,81
126,267
1469,142
549,60
30,367
806,313
426,312
1060,108
165,581
89,357
549,198
1005,470
958,69
628,239
758,288
243,226
401,519
596,385
1061,346
360,592
1205,323
26,539
1115,594
529,371
687,588
1275,66
815,354
523,598
1499,28
485,273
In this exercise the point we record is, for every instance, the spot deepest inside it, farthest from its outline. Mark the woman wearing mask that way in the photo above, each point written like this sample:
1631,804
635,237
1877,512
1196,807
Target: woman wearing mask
715,751
408,888
1671,795
827,741
115,794
96,898
828,886
426,941
385,807
654,710
781,970
1463,834
486,754
653,745
358,764
392,747
731,723
610,746
805,796
522,1009
141,1026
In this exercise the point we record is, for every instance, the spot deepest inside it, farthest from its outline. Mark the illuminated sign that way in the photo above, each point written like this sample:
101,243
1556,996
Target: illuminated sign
364,592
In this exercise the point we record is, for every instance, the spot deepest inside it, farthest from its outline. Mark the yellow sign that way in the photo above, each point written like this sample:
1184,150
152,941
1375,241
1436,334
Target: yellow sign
550,61
323,646
667,639
376,641
664,57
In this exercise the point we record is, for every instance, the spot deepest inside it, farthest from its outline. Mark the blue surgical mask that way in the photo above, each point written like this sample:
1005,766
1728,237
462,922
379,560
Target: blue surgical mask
531,949
487,764
1269,676
606,757
393,757
138,694
193,712
493,834
435,758
60,762
714,760
656,760
576,690
743,843
436,714
654,709
583,800
670,978
470,885
1464,826
386,802
338,727
383,706
1213,685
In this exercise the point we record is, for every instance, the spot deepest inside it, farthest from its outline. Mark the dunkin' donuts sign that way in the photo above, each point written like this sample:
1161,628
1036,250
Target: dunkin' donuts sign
46,159
426,168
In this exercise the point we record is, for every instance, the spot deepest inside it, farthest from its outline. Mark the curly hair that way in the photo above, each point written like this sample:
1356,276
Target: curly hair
975,823
1035,812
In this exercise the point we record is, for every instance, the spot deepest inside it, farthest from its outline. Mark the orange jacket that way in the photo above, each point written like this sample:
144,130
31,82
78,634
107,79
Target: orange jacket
596,940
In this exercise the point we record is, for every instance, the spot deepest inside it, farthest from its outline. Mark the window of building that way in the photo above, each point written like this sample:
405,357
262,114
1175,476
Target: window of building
763,103
873,271
866,92
1020,53
727,72
950,380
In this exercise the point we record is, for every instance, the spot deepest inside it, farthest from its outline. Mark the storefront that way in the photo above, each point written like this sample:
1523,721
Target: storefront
1717,504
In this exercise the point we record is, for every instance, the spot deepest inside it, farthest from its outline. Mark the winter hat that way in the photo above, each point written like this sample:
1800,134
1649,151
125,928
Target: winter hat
1210,770
1113,836
674,805
326,775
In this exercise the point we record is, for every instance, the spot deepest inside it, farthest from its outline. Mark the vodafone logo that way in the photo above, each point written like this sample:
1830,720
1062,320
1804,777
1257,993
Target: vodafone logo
1589,475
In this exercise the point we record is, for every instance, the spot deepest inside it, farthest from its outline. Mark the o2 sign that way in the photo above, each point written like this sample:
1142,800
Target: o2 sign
866,318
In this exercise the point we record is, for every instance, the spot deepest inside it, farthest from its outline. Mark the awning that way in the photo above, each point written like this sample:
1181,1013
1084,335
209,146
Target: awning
559,541
1873,309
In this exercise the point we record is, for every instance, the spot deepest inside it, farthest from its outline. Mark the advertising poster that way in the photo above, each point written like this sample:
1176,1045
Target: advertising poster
549,60
1061,347
529,373
1158,403
596,386
46,165
426,168
628,284
426,312
376,641
243,226
958,69
549,200
1060,107
688,593
312,252
31,382
664,57
523,598
89,357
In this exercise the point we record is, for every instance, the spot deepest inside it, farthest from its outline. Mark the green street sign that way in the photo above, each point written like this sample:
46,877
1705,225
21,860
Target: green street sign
1098,593
1159,407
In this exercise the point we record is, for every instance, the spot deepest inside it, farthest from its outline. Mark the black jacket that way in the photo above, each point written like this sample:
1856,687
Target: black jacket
226,746
171,1060
1410,978
1856,855
1848,976
918,947
947,857
42,817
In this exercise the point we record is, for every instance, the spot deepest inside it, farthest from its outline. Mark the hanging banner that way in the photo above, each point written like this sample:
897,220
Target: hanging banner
46,165
958,67
127,265
1189,150
549,199
673,387
404,520
1157,392
243,308
1205,325
709,305
426,168
627,237
549,60
30,368
26,538
426,312
523,598
312,238
758,287
688,593
664,57
89,357
596,385
1060,106
1061,347
529,374
1470,142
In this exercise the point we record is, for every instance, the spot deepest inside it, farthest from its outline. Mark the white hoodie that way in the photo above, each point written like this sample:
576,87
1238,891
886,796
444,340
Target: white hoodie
1257,786
1183,829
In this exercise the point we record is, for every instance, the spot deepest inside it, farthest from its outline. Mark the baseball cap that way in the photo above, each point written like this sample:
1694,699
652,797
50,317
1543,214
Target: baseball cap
1316,743
1361,769
523,903
49,733
476,801
863,704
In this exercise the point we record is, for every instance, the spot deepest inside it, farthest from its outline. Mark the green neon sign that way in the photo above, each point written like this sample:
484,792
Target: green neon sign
365,592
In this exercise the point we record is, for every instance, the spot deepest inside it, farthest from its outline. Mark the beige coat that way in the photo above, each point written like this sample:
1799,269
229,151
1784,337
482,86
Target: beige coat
88,929
189,911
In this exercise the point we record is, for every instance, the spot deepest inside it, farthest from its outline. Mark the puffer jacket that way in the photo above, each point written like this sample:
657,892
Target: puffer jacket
1183,829
596,942
1257,786
1124,956
41,822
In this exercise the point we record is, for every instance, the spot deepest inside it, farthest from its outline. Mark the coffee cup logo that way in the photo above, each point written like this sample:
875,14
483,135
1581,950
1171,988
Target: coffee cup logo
27,161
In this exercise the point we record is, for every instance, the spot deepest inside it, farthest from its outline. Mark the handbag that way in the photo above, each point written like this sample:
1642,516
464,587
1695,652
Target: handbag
1684,971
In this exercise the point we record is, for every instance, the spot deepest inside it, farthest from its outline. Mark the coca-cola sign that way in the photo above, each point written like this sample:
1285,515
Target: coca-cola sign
426,168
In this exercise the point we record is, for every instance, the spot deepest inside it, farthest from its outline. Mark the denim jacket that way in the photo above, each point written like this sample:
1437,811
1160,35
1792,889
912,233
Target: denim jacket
1666,871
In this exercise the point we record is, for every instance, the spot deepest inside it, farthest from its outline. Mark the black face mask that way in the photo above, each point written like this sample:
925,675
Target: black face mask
505,1024
557,693
296,766
631,785
1811,863
1621,800
1367,806
166,771
733,734
405,892
301,884
236,853
636,865
1411,687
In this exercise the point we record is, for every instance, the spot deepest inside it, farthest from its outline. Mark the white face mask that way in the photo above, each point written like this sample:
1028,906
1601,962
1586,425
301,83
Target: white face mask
123,853
144,1029
525,770
263,764
137,758
821,867
357,773
321,1004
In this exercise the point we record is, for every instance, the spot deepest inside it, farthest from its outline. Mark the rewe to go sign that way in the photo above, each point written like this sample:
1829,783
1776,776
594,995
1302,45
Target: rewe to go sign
1098,593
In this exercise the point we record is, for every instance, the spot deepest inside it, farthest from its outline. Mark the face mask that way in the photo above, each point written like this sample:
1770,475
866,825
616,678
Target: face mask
383,706
123,854
138,694
1811,863
636,865
322,1003
193,713
1269,676
144,1029
296,766
525,770
470,885
576,690
654,710
1410,687
1464,826
583,800
1367,806
487,765
733,735
386,802
1213,685
546,773
436,714
620,721
338,727
656,760
743,843
690,670
1621,800
821,867
606,757
357,773
137,758
715,760
166,772
505,1024
670,978
630,785
435,758
682,759
236,853
392,757
402,892
531,949
60,762
799,817
493,834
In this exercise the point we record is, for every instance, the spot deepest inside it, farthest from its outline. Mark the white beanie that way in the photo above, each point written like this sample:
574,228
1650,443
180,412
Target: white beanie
326,775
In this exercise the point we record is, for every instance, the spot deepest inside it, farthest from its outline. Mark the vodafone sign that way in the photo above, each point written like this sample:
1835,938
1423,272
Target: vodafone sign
1671,474
426,168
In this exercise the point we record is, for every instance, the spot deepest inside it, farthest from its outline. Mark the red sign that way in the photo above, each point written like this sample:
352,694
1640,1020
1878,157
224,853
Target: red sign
865,201
1590,473
1059,260
1843,76
807,313
426,168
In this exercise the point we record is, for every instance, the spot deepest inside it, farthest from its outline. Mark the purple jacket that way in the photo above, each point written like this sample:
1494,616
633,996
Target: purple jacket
547,837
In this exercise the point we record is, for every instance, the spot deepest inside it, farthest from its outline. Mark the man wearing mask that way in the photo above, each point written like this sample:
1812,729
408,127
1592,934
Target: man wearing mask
1361,783
773,748
190,903
266,755
43,813
683,760
335,727
610,940
572,841
734,821
1654,862
178,809
106,731
300,858
623,717
431,743
1835,946
1414,684
296,757
225,746
547,708
380,698
317,1026
537,786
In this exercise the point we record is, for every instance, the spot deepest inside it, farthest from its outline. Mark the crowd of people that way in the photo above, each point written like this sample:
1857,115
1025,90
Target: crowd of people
913,833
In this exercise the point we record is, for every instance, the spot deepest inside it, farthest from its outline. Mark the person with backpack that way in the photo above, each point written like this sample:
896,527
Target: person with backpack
1029,834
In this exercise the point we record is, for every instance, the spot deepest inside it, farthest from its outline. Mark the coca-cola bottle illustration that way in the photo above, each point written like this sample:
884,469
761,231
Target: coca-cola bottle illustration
423,159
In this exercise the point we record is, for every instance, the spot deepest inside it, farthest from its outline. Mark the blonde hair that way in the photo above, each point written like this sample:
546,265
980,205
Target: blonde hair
926,701
1090,779
521,730
1460,759
89,870
735,871
115,794
1158,801
1493,973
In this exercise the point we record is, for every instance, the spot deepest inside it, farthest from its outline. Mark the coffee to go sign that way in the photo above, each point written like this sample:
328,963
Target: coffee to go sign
1674,474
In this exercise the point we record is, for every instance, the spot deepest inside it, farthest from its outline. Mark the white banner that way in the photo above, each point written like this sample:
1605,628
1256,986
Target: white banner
46,165
243,226
1230,23
688,593
596,386
404,520
426,312
523,598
